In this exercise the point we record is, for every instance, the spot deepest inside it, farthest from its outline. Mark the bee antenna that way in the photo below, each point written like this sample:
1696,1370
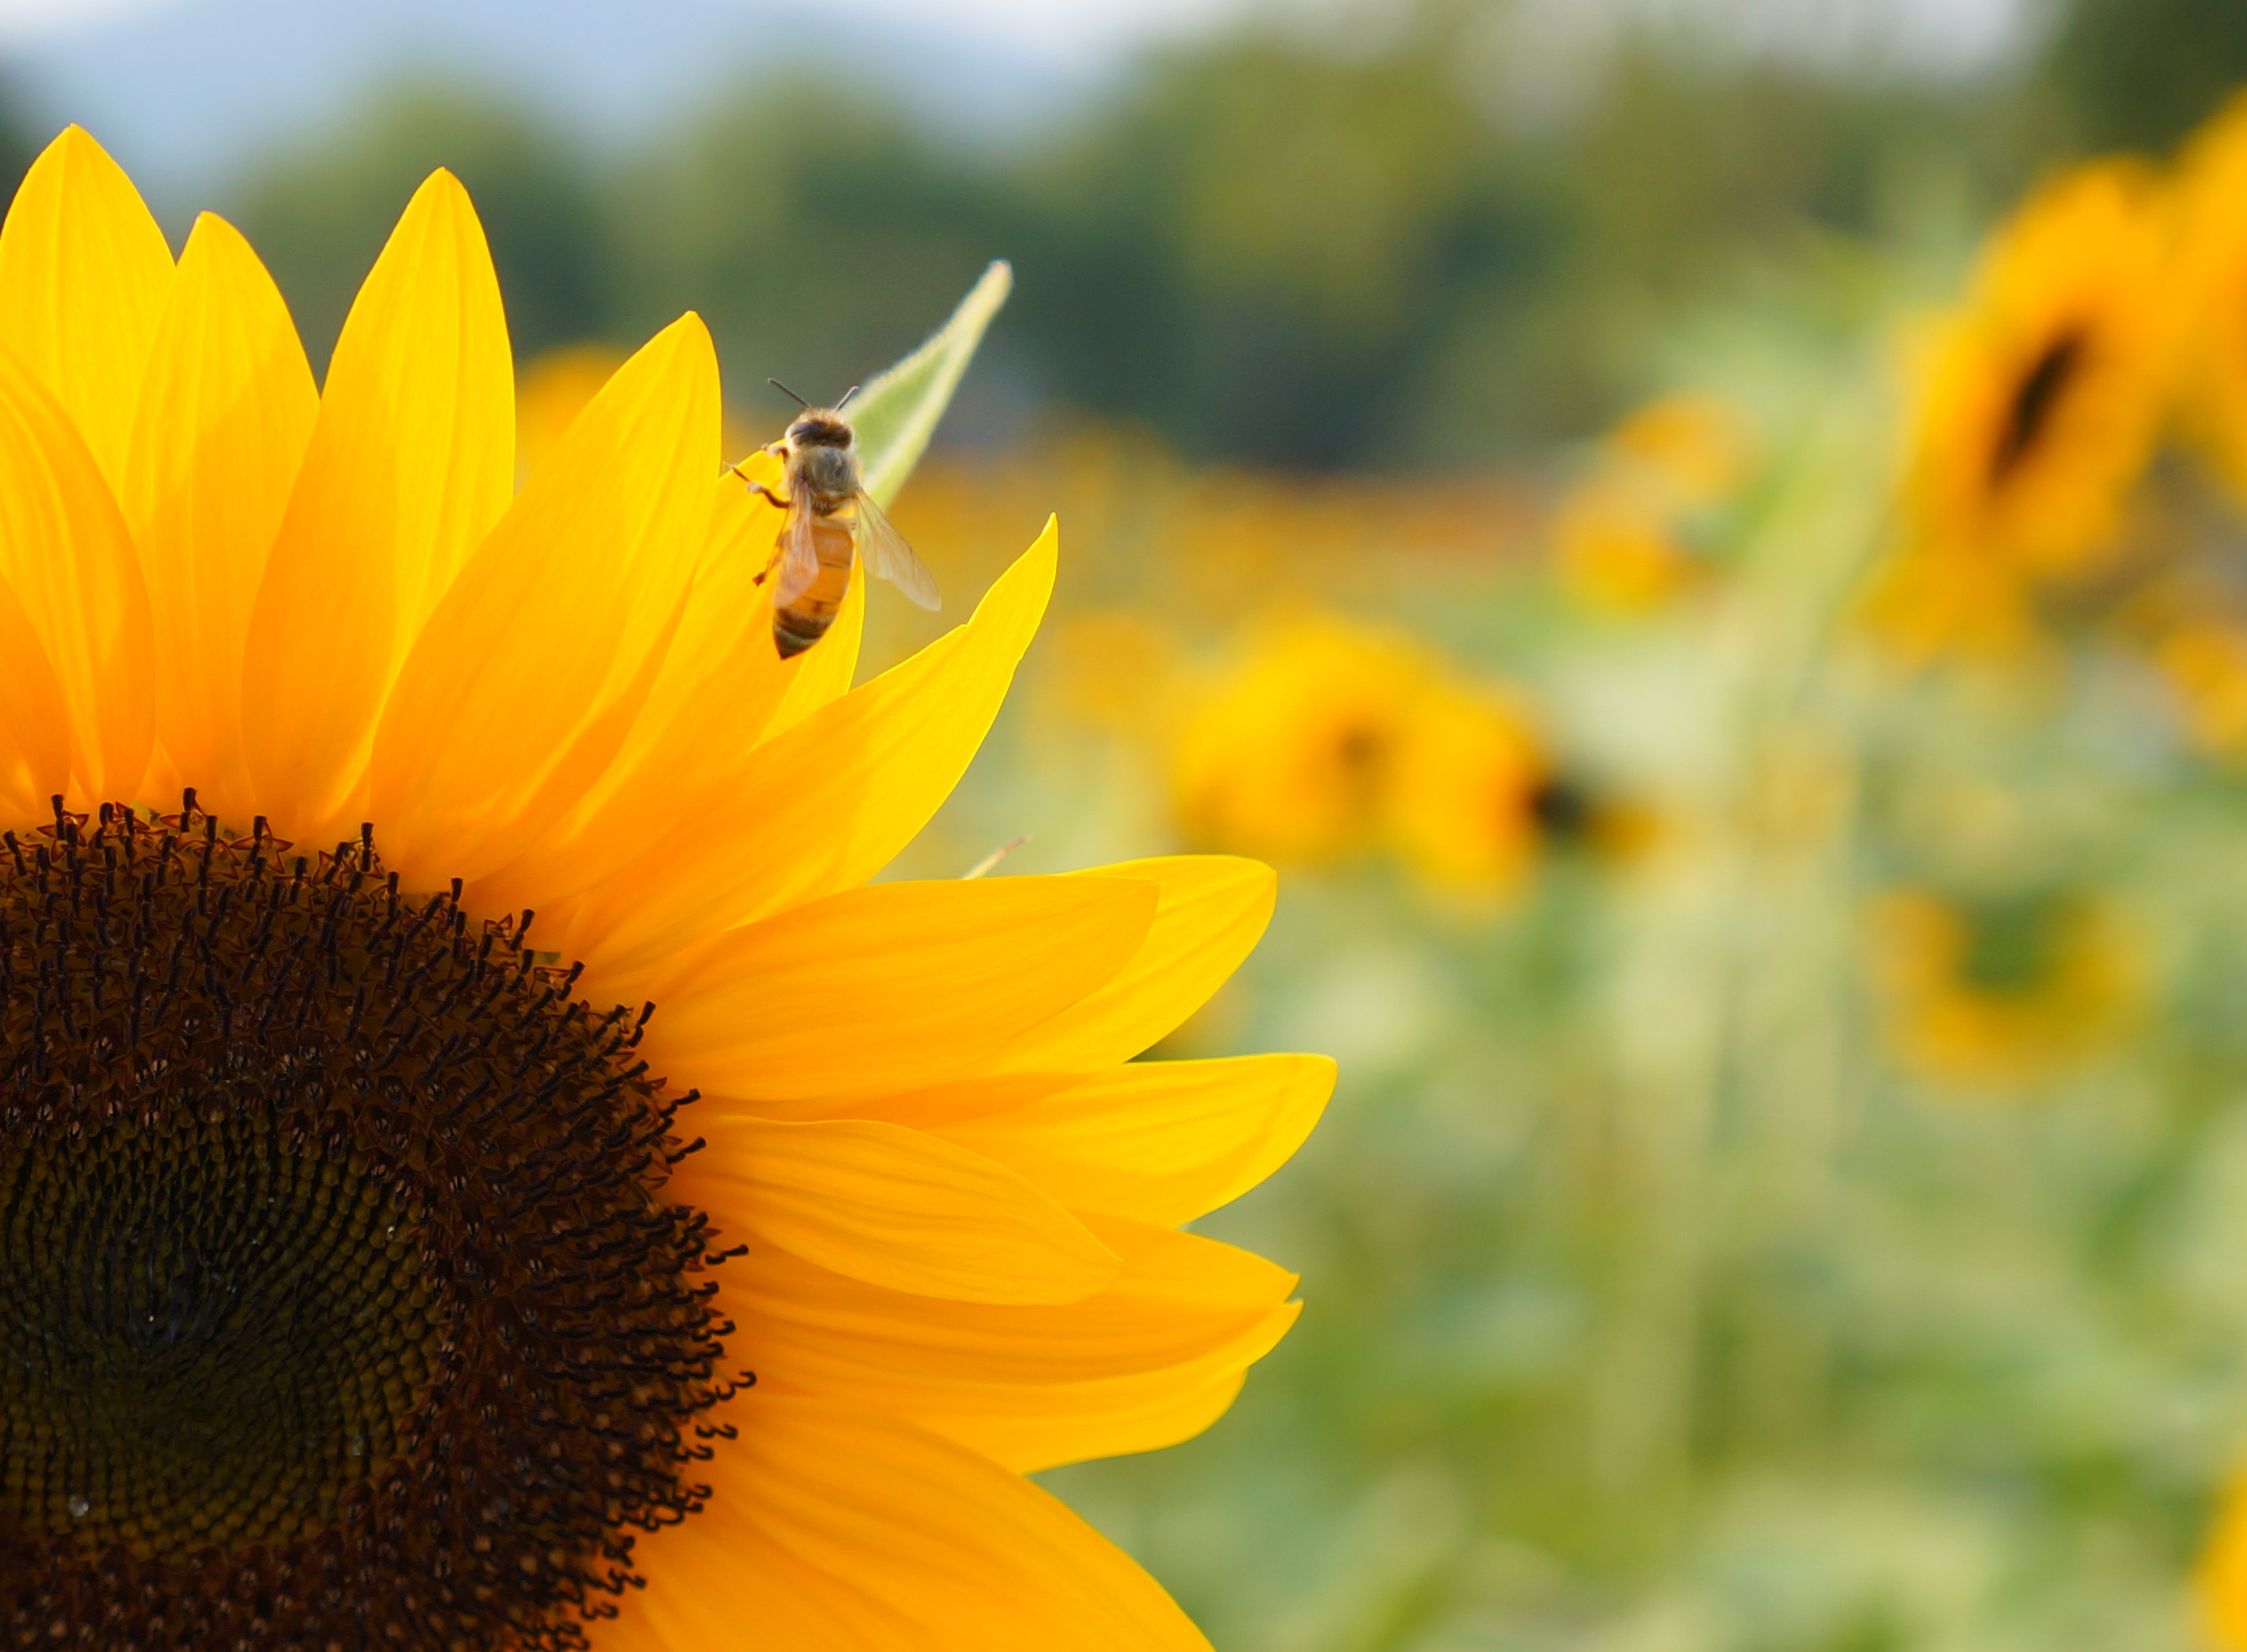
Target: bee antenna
845,402
785,391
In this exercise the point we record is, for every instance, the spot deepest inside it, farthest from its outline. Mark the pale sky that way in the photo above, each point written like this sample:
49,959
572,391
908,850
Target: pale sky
30,19
1969,28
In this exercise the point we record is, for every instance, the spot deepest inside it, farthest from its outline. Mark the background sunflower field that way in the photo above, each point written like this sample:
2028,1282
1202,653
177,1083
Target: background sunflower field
1708,542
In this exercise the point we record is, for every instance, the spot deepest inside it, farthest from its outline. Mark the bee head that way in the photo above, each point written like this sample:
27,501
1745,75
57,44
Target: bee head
820,428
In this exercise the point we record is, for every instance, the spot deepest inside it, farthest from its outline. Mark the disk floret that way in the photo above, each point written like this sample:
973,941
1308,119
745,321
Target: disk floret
344,1304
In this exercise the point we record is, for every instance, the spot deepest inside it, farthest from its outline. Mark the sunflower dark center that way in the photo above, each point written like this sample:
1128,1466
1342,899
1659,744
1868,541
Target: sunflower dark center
1562,809
210,1333
2028,414
340,1305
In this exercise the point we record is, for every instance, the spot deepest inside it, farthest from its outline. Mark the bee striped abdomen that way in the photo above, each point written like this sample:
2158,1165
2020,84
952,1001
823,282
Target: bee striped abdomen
804,621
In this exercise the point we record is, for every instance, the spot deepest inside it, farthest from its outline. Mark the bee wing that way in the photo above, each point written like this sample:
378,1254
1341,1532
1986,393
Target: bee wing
887,555
799,557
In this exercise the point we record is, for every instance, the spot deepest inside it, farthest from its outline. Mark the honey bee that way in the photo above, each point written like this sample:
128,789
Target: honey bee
830,518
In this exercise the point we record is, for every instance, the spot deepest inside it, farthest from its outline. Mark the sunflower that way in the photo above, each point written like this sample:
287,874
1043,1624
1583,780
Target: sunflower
2213,291
2220,1582
2038,399
1292,753
701,1265
1474,792
1623,538
1994,994
2204,661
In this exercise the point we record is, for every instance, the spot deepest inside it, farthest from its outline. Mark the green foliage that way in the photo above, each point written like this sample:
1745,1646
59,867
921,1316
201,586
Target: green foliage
318,216
2141,73
1292,240
17,145
1264,246
817,232
1270,245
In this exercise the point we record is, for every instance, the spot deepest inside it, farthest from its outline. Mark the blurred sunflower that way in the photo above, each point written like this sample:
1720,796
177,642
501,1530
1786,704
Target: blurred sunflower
1474,793
2220,1582
1292,753
2204,663
364,1293
1995,995
1111,669
1623,538
2037,404
2213,290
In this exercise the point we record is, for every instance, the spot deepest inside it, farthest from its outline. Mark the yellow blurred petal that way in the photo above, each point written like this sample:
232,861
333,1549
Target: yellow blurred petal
2220,1580
1160,1141
1140,1355
65,548
894,1207
410,463
226,410
843,790
831,1529
34,726
84,271
880,987
1213,912
527,678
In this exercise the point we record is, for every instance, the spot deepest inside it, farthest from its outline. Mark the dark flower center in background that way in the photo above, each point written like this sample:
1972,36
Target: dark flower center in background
340,1303
1563,809
2030,411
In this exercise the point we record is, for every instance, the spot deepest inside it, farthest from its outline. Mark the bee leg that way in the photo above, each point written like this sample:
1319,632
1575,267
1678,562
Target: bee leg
759,487
777,449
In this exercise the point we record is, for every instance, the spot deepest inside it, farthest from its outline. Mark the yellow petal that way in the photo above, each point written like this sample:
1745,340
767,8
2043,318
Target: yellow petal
1176,1298
1213,911
65,548
831,1528
720,685
843,790
34,725
225,412
411,462
1086,1376
529,676
1160,1141
875,988
928,1106
83,272
1113,1420
894,1207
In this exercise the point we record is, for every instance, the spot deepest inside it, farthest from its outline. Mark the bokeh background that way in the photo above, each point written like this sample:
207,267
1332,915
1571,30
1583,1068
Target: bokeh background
1703,535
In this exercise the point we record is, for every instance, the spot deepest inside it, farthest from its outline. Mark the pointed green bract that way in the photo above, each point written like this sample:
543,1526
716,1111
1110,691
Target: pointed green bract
896,414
